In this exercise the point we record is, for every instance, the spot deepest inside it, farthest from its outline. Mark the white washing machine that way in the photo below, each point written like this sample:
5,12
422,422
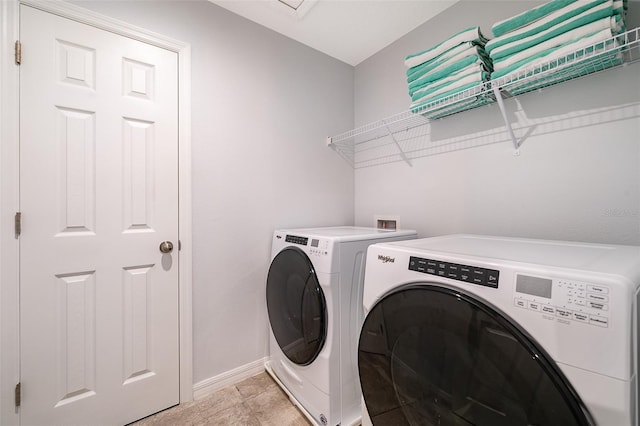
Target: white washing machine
477,330
314,302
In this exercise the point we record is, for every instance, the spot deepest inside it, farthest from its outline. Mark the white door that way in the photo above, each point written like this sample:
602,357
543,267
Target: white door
98,195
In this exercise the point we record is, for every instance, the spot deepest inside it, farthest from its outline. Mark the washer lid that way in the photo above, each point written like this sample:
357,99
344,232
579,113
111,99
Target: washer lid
433,355
296,306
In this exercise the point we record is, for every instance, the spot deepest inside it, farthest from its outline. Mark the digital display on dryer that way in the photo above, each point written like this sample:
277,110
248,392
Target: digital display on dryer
296,240
314,242
534,286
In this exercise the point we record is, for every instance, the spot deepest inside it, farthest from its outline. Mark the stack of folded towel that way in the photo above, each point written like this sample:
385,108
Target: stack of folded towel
455,65
571,30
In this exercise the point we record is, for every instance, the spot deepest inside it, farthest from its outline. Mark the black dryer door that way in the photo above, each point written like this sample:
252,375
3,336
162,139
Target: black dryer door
296,306
430,355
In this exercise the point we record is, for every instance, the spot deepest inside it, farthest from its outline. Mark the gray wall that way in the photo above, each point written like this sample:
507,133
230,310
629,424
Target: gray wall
578,173
262,106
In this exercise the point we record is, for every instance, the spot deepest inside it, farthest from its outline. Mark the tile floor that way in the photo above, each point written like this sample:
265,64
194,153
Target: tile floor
256,401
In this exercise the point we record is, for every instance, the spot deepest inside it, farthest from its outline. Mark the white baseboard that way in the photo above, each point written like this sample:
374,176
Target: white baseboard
228,378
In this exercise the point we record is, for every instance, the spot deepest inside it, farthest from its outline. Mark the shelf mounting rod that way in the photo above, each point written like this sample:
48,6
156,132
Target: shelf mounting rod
400,151
514,141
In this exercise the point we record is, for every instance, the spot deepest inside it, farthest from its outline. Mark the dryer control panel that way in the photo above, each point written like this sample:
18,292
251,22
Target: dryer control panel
566,300
315,246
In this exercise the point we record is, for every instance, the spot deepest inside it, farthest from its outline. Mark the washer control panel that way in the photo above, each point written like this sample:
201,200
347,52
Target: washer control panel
565,300
455,271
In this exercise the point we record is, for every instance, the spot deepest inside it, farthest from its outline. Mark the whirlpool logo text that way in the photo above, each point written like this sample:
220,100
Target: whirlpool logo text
386,259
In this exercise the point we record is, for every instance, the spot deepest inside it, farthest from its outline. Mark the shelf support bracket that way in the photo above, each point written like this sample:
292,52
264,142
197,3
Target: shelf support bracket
349,157
400,151
514,141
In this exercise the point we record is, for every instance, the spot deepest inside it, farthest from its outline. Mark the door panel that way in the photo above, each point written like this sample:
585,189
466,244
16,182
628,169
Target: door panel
99,193
435,355
296,306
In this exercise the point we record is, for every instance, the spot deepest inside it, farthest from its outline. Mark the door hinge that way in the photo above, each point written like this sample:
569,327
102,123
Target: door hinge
18,52
18,394
18,224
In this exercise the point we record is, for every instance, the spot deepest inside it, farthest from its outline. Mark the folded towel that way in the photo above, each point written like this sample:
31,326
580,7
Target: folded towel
452,78
436,65
451,53
472,34
619,7
560,40
524,18
599,12
450,88
449,69
545,23
619,27
568,52
462,91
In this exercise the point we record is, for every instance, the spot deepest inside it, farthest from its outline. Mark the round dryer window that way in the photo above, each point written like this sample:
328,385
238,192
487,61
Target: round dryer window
430,355
296,306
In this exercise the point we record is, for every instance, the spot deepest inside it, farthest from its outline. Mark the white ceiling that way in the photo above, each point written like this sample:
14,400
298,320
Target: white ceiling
348,30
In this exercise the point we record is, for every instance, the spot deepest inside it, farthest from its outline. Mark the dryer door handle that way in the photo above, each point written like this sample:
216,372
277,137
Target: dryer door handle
311,316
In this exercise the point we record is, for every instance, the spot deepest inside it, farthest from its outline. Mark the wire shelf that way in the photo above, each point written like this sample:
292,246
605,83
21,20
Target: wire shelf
388,140
616,51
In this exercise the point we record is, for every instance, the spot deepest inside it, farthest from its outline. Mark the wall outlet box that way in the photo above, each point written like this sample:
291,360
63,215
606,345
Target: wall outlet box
386,221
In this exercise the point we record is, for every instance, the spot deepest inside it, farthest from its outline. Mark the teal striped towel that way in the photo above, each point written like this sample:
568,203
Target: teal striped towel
451,53
471,34
435,65
599,12
527,17
560,40
570,51
449,69
452,78
450,89
555,18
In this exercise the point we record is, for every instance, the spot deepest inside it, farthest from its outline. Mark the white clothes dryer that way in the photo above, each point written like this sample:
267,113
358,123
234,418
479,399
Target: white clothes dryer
314,302
491,331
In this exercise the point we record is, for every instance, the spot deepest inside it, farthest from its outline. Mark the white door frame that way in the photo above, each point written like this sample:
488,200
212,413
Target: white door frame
10,180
